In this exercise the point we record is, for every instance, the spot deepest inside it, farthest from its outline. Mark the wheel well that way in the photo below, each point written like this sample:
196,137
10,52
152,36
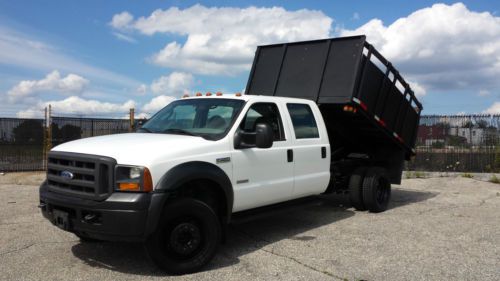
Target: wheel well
207,191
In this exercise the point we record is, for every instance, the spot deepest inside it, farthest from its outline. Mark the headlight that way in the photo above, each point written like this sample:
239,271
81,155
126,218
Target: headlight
133,178
135,172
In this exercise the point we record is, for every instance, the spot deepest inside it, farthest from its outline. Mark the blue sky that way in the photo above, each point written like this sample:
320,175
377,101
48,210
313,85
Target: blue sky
100,58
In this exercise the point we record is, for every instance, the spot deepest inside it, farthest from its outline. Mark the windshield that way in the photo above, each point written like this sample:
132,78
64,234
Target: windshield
207,118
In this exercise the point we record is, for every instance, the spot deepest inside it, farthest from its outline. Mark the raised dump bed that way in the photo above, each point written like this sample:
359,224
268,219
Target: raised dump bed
367,106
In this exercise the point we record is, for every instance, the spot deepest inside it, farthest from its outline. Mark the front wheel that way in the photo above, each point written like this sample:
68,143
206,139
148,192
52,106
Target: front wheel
186,238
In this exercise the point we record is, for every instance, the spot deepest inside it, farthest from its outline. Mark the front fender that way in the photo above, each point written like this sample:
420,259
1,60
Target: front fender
176,177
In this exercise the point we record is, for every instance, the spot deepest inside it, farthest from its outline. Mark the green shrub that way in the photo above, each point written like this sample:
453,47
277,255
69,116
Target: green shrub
494,179
467,175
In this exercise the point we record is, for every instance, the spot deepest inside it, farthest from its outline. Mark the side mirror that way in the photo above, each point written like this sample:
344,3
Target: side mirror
263,137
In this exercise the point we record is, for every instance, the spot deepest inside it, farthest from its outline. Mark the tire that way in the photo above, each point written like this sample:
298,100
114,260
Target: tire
376,190
87,239
187,237
356,188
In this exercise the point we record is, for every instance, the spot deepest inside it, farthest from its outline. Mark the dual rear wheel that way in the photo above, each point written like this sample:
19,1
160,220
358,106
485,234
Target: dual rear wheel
369,189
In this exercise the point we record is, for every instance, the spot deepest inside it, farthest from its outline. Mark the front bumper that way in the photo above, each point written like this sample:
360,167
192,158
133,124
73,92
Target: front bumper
121,217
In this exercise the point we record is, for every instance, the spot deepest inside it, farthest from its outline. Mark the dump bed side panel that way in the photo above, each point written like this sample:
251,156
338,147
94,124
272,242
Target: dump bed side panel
323,70
338,72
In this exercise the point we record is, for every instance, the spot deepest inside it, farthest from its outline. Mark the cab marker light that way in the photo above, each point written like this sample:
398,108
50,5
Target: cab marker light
199,94
238,94
185,96
218,94
208,94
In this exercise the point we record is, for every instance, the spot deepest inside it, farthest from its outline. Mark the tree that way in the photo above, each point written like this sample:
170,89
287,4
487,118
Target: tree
67,132
29,132
482,124
456,141
468,124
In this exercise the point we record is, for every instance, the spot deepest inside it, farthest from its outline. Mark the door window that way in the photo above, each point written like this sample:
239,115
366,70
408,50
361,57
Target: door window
303,121
264,112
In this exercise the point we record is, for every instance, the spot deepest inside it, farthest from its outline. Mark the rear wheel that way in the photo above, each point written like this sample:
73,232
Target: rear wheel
186,238
356,188
87,239
376,190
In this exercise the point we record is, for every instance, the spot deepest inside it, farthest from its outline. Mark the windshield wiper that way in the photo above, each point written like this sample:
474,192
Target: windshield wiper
180,132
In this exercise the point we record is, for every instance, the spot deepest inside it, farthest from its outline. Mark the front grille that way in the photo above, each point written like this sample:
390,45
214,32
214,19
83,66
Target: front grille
80,175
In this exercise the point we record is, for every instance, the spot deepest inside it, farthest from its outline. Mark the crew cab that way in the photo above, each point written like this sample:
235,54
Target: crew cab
175,183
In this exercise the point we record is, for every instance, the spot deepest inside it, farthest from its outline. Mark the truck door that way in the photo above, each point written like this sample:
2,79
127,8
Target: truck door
262,176
310,152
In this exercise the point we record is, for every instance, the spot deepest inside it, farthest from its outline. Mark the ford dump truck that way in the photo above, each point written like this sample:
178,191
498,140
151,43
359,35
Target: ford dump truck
325,116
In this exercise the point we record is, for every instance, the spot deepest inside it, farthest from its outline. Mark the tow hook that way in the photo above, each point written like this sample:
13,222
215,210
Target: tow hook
90,218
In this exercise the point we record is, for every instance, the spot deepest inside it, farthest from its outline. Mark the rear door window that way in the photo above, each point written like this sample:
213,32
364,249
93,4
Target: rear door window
304,124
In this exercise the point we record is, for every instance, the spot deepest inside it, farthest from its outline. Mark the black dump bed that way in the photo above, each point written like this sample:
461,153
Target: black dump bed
364,100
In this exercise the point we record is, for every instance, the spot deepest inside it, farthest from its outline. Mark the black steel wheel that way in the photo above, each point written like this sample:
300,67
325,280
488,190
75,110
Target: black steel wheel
376,190
186,238
356,188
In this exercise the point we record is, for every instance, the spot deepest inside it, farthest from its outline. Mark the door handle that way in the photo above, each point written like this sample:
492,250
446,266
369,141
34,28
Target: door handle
323,152
289,155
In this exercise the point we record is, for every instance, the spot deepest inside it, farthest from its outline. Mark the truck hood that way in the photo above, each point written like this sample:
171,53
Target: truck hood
138,148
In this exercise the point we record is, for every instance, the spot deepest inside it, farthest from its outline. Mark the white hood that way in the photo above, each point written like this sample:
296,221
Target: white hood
138,148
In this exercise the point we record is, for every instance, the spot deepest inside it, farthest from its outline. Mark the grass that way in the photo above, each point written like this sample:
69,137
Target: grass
467,175
494,179
416,174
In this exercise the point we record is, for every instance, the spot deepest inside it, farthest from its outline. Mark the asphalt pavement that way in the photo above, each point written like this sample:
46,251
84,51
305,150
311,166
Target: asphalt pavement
435,229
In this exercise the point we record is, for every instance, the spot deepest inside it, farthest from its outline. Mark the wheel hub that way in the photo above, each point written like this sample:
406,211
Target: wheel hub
185,238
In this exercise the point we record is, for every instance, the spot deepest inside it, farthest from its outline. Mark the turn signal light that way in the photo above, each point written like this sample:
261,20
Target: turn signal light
147,181
129,186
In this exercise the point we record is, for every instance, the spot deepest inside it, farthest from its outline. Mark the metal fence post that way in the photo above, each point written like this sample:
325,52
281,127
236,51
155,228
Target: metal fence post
131,114
49,134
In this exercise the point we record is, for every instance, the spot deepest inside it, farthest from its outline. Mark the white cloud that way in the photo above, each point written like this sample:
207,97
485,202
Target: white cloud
418,89
493,109
156,104
142,89
175,84
442,47
123,37
483,93
76,105
223,40
121,20
53,82
27,52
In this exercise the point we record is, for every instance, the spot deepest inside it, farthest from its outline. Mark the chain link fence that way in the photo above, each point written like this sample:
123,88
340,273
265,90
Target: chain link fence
460,143
21,144
24,142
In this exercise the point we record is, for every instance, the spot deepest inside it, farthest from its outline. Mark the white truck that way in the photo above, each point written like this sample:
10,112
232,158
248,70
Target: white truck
177,181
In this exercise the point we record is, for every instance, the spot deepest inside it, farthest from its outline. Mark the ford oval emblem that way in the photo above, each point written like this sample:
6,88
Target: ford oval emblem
67,175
